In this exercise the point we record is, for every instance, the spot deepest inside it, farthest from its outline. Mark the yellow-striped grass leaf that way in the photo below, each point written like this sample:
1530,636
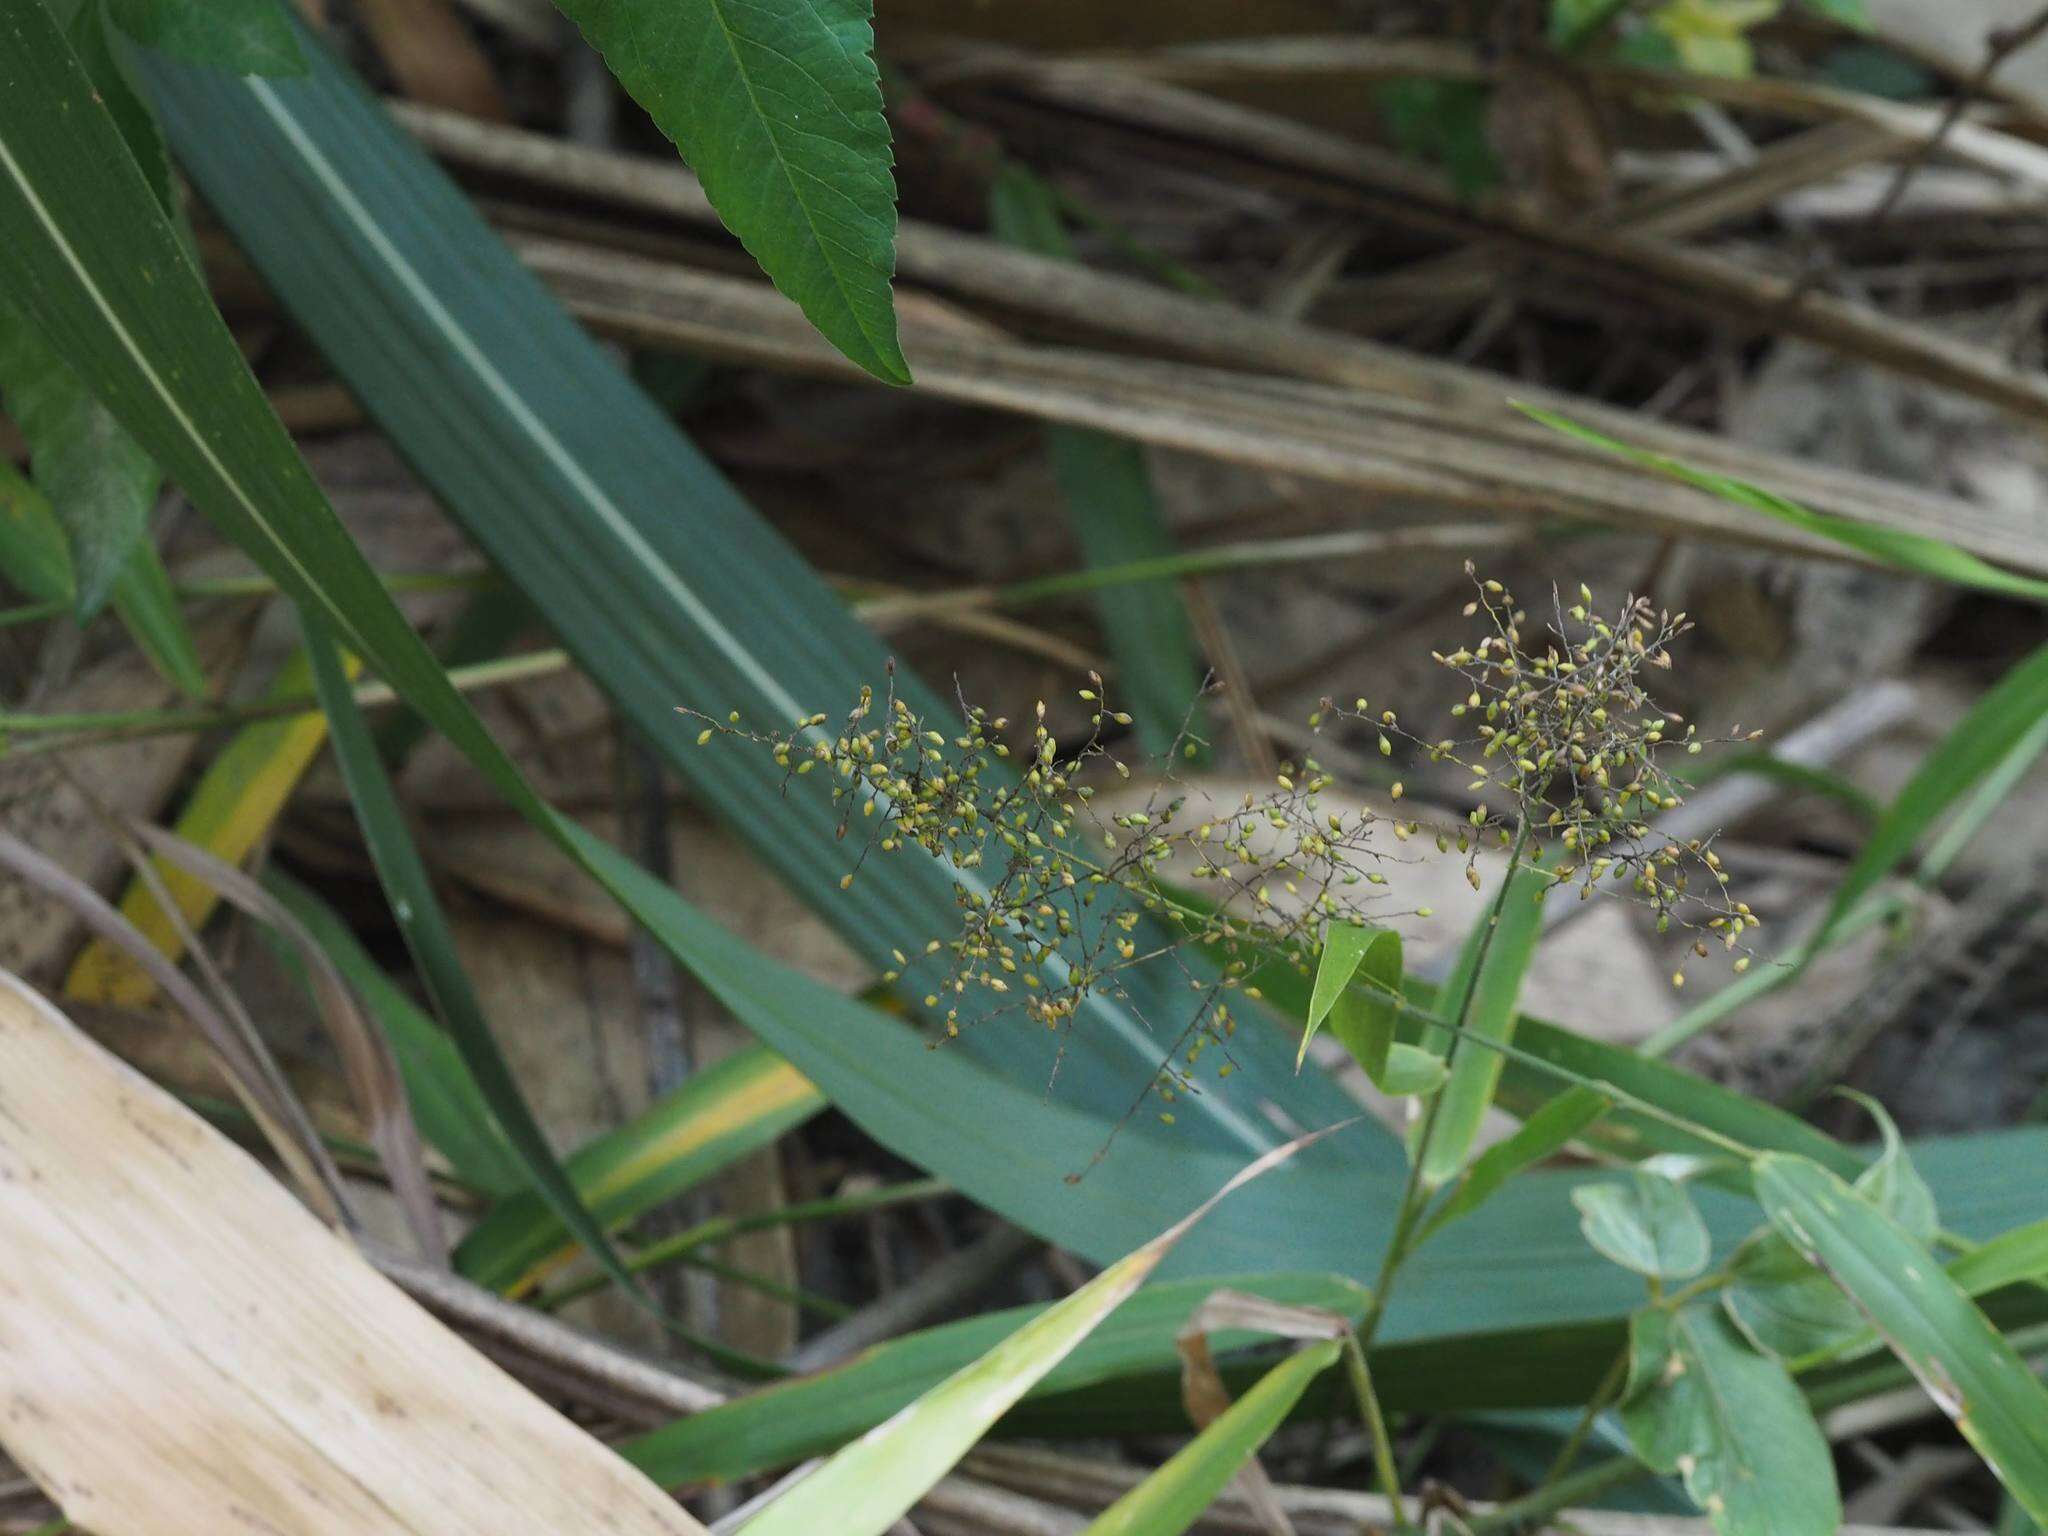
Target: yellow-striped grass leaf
236,802
717,1116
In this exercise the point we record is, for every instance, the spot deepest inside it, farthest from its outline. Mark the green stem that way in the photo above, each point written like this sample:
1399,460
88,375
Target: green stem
678,1247
63,730
1376,1425
217,587
1414,1197
1608,1390
765,1285
1534,1508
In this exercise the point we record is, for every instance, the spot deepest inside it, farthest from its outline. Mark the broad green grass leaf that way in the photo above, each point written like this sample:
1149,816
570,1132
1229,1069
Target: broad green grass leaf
235,804
395,284
99,482
1116,518
1489,973
778,109
1797,777
1546,1132
1917,552
446,1102
715,1117
1648,1224
1966,1366
1173,1498
666,588
106,65
244,37
868,1486
1702,1403
788,1421
484,630
425,929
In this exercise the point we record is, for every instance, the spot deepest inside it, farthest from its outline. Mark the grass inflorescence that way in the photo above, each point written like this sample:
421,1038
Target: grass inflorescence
1062,889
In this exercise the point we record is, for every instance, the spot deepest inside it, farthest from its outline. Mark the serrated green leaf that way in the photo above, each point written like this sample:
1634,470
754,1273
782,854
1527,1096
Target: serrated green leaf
244,37
1488,979
112,285
778,109
1648,1224
1702,1403
1967,1367
1173,1498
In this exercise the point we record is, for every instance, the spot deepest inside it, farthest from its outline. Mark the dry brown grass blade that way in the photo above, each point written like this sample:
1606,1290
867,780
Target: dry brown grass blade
183,1349
434,57
1331,169
1383,305
366,1057
1206,1398
1463,402
1387,443
246,1063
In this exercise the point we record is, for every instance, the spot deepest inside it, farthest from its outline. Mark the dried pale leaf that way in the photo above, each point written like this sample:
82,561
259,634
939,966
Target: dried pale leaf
1206,1398
152,1263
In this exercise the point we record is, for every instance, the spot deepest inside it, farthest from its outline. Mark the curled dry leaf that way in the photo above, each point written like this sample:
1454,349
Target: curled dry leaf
1206,1398
164,1294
